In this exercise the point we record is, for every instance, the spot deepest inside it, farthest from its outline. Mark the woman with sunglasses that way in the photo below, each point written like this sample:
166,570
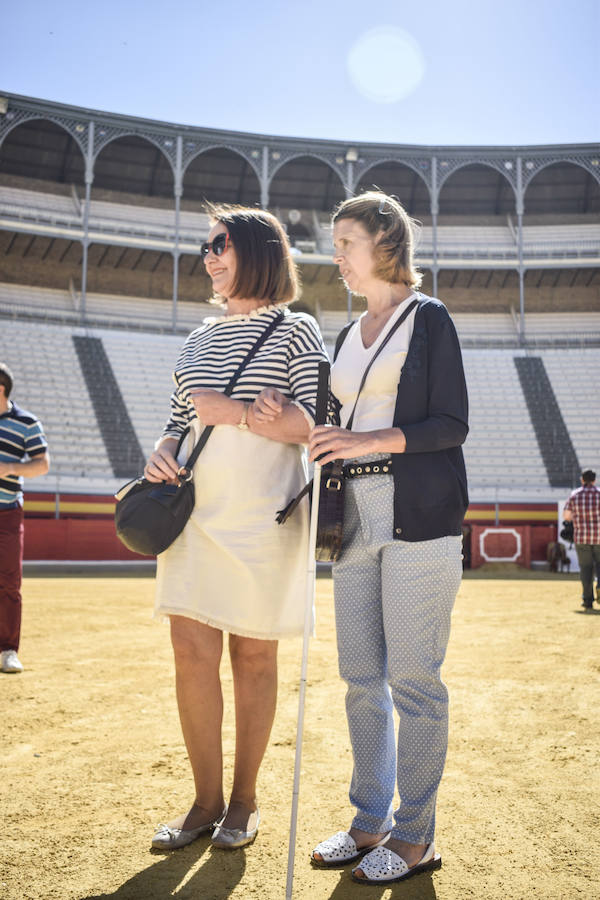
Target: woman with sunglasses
400,567
233,569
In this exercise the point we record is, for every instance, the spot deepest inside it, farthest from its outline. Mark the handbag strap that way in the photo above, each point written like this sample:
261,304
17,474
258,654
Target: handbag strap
229,389
384,342
335,469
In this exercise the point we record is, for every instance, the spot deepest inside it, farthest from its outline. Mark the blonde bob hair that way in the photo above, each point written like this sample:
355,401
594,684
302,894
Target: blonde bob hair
386,220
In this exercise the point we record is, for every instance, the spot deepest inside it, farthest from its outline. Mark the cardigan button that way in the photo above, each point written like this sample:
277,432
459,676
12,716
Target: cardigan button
398,531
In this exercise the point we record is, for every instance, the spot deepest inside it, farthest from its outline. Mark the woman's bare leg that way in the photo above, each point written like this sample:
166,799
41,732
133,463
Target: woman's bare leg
254,666
198,650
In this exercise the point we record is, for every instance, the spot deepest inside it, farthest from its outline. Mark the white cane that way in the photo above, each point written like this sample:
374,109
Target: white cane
320,416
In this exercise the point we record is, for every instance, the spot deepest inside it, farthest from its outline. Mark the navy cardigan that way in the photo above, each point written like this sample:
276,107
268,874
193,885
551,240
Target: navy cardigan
430,481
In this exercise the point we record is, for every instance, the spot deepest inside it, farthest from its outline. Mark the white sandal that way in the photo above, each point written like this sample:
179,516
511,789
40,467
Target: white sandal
382,866
340,849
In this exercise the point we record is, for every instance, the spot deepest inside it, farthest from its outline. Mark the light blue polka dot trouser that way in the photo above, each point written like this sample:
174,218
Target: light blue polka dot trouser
393,601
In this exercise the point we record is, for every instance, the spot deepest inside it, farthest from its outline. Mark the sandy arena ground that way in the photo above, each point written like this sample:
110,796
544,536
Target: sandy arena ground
92,757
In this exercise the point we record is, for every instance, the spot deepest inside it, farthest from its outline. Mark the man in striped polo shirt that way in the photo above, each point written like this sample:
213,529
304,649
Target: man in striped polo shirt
583,509
23,454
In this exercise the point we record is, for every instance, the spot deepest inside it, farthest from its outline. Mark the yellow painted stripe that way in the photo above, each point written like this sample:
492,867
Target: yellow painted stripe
39,506
69,506
545,515
73,506
108,507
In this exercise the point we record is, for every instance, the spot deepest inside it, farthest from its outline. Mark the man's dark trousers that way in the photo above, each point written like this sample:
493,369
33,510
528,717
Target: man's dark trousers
11,567
589,557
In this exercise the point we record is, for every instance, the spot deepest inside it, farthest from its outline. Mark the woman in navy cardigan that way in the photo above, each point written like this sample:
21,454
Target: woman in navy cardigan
400,568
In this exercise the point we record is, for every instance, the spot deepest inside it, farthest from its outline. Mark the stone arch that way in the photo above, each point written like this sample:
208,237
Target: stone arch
305,181
560,188
476,189
49,154
133,164
410,188
220,175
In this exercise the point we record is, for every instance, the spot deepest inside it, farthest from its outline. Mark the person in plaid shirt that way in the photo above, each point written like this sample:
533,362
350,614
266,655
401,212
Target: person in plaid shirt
583,509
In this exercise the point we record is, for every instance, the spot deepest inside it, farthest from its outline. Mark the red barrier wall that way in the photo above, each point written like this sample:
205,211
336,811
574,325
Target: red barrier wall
541,535
85,539
500,542
84,528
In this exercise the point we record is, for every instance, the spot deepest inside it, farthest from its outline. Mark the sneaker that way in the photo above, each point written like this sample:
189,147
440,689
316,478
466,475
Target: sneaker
10,662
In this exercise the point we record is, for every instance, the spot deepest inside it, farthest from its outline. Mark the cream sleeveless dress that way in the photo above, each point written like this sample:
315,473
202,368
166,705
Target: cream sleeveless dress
233,567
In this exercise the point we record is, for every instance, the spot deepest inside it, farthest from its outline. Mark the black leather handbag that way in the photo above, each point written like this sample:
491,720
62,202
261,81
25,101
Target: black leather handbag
149,515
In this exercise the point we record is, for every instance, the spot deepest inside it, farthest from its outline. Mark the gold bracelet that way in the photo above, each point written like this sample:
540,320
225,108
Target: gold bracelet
243,423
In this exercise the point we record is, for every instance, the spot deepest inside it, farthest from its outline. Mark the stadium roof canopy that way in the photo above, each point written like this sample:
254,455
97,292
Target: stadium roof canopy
66,145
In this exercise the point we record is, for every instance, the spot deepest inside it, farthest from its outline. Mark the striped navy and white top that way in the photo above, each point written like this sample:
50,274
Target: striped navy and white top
287,361
21,435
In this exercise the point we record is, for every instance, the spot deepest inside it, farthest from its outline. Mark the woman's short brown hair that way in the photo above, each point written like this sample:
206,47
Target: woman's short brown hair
387,221
265,268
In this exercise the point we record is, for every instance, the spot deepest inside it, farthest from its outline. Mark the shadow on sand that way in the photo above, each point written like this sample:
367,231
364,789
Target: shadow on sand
215,874
418,888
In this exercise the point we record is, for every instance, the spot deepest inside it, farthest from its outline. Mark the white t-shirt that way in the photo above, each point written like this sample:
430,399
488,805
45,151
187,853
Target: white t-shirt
378,397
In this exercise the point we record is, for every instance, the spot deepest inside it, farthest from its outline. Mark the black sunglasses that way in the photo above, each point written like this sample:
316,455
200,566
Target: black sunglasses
218,245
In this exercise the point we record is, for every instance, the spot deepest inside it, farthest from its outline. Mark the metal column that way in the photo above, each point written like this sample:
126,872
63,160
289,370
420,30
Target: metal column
351,158
434,232
89,178
178,189
520,208
349,186
264,181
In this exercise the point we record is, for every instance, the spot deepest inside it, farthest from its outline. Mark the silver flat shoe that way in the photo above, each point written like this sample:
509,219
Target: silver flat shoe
232,838
167,838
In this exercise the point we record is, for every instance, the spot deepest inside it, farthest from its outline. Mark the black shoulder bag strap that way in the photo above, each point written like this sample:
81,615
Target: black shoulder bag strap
229,390
384,342
341,338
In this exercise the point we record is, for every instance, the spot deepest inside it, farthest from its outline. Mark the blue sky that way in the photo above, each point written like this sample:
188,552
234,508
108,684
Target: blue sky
483,72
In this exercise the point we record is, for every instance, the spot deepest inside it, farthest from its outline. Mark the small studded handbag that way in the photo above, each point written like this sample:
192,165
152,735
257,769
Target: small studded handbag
331,496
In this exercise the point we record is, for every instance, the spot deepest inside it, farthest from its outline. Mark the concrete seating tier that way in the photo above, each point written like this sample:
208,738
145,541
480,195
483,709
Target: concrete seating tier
133,312
454,241
26,204
105,215
494,241
48,381
501,448
575,378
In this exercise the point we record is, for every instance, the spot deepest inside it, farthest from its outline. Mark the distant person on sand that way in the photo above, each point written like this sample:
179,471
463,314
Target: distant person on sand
583,509
23,454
